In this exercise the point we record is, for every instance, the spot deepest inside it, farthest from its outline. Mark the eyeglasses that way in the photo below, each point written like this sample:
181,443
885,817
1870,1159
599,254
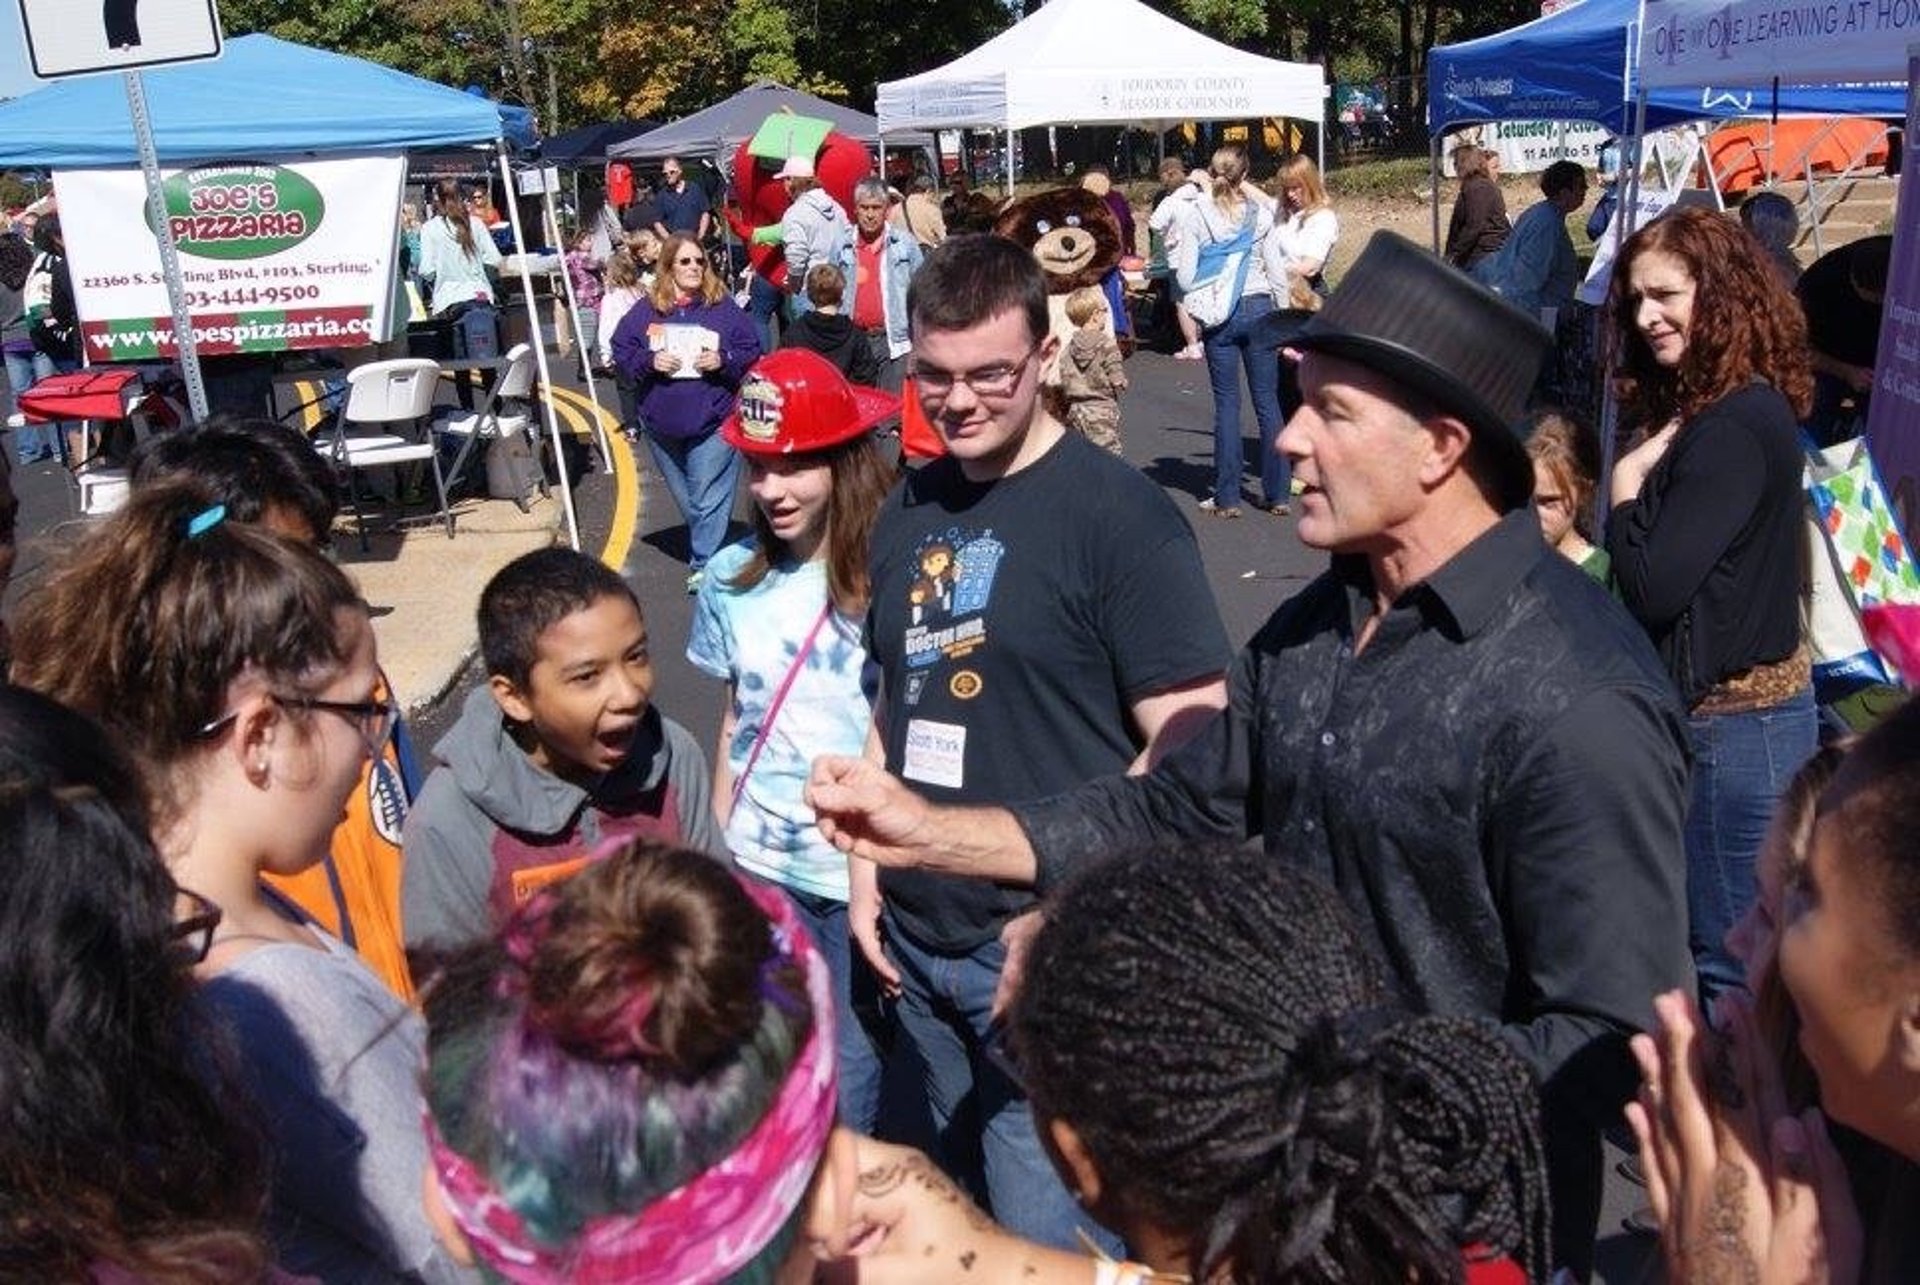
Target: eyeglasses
993,381
374,720
192,933
683,260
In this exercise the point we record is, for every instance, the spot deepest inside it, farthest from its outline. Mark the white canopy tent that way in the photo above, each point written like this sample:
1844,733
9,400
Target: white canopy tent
1101,62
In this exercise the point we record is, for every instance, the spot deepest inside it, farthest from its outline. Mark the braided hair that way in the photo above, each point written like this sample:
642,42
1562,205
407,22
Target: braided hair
1218,1033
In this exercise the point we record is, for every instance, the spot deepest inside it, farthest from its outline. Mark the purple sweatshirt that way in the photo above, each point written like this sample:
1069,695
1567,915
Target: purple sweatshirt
686,407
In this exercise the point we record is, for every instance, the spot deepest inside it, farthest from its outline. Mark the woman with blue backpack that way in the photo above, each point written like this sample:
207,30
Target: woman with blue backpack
1227,264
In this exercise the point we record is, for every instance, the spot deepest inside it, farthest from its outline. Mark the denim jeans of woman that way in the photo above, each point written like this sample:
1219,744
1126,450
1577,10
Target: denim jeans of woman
976,1108
34,442
1244,340
701,474
1741,763
854,987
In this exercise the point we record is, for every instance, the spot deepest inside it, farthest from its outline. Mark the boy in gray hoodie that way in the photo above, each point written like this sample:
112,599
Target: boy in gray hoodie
559,754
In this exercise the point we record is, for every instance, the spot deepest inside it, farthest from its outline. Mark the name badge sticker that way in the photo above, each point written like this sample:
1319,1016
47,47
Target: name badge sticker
936,753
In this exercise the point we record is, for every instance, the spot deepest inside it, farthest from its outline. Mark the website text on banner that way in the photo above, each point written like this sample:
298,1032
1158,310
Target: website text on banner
273,256
1893,418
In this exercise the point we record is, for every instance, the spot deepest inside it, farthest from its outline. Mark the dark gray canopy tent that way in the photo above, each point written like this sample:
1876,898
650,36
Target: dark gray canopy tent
713,132
588,145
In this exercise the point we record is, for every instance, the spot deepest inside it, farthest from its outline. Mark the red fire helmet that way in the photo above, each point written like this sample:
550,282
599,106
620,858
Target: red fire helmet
793,401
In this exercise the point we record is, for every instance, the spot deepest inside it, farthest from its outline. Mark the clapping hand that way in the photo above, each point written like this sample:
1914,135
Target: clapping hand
1744,1191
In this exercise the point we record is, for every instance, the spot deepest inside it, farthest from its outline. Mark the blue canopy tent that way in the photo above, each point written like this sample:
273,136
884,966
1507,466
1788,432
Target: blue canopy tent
1579,65
265,99
263,96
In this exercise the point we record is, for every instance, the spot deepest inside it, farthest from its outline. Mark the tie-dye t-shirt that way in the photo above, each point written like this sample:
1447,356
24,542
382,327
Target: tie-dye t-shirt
749,637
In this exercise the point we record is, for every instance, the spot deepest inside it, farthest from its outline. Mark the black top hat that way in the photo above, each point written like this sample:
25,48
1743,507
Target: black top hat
1404,313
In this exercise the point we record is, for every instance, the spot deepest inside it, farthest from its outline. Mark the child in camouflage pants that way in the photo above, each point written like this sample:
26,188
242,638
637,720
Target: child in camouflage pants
1091,375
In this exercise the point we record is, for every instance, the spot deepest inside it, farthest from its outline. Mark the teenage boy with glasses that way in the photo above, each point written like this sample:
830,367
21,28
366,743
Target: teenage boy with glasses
1041,619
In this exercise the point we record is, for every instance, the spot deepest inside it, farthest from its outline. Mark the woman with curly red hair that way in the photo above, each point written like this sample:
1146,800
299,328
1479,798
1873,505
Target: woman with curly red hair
1708,537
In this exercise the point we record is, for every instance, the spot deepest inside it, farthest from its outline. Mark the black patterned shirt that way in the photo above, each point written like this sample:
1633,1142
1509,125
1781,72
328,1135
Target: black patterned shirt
1495,785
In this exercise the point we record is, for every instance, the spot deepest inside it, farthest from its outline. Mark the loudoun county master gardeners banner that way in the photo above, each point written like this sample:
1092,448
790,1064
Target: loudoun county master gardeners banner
272,256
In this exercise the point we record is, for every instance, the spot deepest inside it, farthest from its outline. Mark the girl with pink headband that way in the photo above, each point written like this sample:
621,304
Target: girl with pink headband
635,1083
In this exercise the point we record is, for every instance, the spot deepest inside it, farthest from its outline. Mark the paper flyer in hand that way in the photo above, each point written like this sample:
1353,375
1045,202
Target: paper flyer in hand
684,342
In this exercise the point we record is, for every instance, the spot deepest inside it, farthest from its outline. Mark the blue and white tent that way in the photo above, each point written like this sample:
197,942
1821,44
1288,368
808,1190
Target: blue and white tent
1579,64
262,97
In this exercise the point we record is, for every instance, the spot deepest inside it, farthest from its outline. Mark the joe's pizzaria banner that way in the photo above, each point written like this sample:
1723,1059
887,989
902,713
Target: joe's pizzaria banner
273,255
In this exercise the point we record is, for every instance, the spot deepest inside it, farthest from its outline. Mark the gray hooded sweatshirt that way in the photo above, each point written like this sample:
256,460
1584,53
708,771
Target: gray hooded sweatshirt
491,828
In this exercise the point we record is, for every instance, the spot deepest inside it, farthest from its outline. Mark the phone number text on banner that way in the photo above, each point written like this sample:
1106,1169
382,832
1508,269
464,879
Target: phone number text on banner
272,256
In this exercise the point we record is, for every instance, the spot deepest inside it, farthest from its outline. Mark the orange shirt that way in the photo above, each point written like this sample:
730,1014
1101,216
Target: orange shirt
355,893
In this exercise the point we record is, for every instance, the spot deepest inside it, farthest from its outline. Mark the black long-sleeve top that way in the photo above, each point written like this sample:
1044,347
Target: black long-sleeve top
1495,786
1711,557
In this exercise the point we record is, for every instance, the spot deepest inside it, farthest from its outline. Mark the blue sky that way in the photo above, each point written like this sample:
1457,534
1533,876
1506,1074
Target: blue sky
15,79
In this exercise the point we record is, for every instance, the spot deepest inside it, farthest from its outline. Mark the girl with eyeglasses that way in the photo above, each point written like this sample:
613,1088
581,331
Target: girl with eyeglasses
686,346
118,1161
238,670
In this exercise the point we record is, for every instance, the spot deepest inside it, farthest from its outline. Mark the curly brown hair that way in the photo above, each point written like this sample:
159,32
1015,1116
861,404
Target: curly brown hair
1746,325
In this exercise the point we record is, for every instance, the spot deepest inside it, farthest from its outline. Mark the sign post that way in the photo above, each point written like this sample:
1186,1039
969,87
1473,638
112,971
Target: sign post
169,253
132,34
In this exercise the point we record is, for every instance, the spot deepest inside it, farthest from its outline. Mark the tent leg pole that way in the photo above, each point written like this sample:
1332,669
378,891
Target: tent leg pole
1624,220
540,353
1009,162
586,356
1433,180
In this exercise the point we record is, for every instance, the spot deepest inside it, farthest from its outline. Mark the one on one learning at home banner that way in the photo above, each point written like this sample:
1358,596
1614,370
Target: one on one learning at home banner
272,256
1893,420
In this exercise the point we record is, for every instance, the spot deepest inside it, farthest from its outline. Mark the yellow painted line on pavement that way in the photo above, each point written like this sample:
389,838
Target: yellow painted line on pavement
626,476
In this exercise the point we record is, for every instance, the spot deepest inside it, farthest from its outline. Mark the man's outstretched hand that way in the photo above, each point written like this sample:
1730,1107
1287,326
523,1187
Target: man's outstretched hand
866,811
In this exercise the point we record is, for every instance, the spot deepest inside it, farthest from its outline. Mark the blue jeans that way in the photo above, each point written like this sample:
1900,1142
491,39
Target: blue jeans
1741,763
766,305
701,474
826,921
945,1007
1245,338
24,370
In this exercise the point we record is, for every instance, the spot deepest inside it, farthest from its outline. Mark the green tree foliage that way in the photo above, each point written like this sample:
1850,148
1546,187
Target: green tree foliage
580,60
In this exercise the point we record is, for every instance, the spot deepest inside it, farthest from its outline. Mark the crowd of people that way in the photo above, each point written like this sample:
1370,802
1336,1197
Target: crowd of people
1332,959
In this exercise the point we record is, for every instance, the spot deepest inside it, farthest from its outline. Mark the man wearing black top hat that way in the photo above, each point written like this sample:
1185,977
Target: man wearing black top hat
1458,730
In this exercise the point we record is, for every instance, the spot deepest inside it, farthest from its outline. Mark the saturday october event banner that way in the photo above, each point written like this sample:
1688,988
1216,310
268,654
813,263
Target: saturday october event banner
273,256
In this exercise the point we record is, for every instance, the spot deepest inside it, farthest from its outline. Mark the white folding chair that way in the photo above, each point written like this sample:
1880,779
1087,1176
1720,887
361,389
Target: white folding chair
379,393
503,415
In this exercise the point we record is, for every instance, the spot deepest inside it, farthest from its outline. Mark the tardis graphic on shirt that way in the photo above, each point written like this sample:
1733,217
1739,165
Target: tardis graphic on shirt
947,599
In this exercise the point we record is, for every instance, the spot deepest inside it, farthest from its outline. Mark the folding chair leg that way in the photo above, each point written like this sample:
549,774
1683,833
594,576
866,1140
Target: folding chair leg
440,487
353,499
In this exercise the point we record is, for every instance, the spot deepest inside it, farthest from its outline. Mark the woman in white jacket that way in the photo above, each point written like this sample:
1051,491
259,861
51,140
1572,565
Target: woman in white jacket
1229,268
